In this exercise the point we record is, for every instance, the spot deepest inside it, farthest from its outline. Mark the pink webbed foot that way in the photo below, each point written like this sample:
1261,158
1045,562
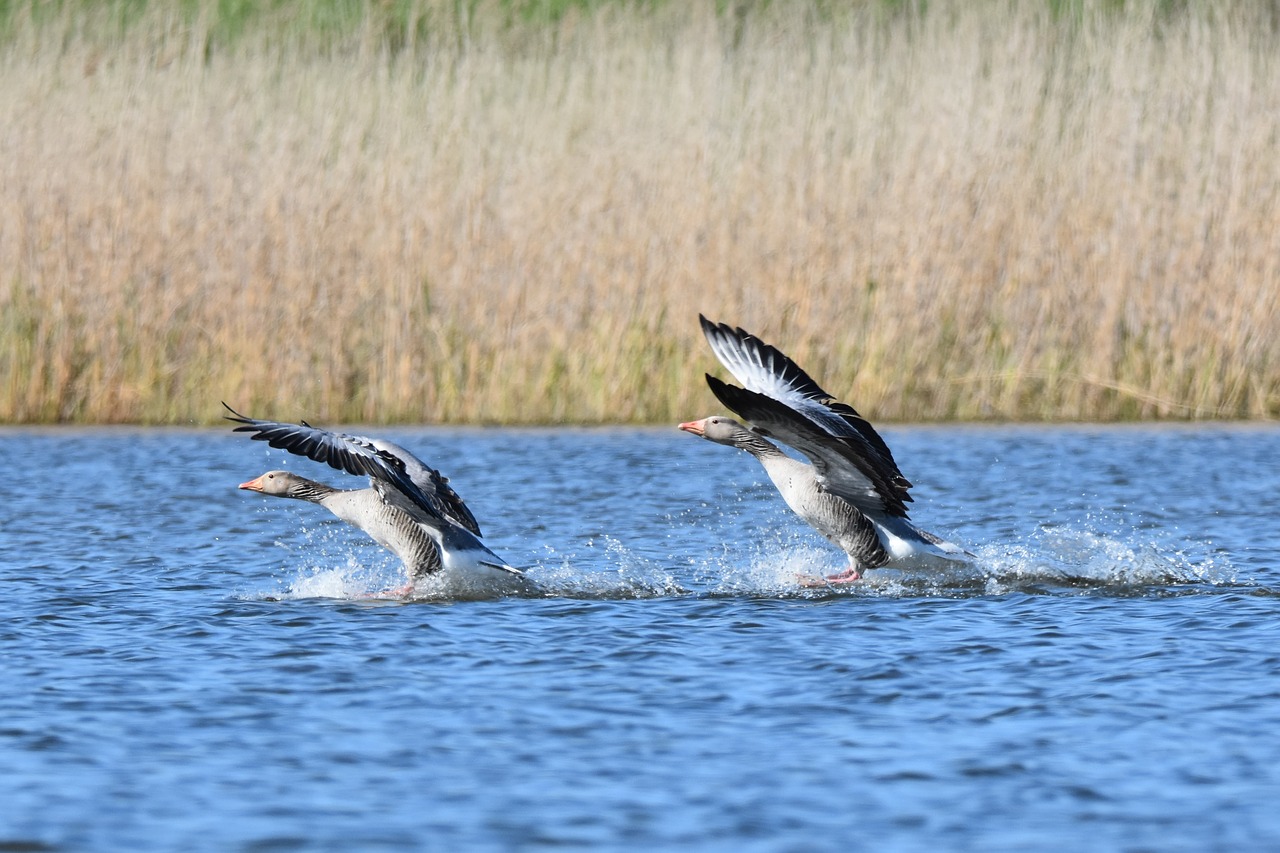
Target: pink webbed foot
847,576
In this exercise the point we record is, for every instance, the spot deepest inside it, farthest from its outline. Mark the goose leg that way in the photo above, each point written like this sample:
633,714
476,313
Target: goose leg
849,575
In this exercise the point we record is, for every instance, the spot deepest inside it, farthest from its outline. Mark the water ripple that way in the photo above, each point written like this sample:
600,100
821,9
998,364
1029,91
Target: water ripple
208,672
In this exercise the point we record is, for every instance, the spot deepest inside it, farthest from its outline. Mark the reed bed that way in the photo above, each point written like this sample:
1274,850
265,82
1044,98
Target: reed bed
983,211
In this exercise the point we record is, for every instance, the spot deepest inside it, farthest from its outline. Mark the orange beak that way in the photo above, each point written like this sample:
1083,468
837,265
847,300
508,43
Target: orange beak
254,485
695,427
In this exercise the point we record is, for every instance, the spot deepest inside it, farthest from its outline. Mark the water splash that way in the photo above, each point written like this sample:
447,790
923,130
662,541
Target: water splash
772,568
348,581
1083,556
329,564
1053,558
625,574
335,568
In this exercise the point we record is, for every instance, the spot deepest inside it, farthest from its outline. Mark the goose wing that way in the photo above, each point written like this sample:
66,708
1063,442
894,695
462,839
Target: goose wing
844,465
455,539
369,457
432,482
766,370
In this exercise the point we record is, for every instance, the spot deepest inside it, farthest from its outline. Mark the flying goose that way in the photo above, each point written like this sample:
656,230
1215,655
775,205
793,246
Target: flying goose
409,507
853,492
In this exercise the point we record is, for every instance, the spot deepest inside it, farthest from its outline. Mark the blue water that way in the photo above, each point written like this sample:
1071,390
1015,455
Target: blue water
190,667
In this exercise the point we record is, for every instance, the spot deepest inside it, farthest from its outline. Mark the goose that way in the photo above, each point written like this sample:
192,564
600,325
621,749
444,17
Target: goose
851,490
409,507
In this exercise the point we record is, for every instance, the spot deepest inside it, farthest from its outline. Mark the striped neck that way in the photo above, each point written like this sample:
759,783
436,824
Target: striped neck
310,490
760,448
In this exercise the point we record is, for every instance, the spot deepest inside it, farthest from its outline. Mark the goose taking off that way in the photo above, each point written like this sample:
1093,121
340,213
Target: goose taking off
853,492
409,507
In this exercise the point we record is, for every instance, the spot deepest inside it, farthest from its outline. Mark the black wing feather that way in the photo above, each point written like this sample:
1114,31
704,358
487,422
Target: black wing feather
354,455
778,420
777,376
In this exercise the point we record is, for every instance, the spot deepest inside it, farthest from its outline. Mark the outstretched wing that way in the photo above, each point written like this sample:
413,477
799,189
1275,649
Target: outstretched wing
806,417
379,460
844,466
766,370
433,483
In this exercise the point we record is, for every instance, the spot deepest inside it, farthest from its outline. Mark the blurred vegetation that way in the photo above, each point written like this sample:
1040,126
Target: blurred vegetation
397,24
512,211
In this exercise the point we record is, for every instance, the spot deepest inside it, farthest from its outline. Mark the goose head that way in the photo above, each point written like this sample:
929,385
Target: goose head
719,429
281,484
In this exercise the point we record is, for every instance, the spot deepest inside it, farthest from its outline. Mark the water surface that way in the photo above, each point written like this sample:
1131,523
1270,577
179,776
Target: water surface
187,666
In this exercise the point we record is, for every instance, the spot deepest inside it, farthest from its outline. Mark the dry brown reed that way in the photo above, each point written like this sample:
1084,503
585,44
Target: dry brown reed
980,212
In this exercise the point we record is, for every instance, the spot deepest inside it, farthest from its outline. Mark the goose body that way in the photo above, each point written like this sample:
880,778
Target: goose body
851,490
408,508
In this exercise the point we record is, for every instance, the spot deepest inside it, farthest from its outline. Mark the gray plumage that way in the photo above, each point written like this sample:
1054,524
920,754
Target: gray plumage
851,490
388,525
409,507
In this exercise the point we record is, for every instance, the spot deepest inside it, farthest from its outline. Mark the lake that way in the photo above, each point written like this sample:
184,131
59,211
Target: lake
186,666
